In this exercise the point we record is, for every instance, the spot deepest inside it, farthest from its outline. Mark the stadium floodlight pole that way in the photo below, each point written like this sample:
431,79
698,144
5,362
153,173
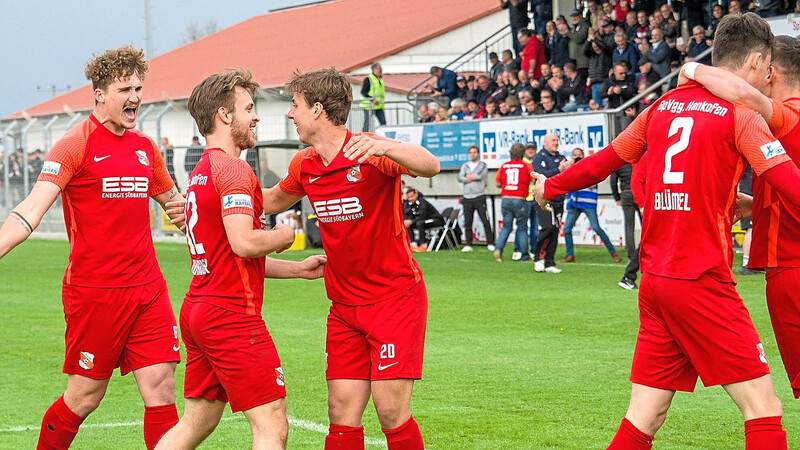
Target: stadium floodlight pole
24,162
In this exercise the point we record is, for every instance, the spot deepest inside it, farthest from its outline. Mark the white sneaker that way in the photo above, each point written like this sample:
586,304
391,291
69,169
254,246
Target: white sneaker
490,247
467,249
539,265
552,269
516,256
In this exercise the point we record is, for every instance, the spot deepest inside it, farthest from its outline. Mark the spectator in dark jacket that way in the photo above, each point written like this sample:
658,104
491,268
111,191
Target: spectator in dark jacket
625,51
418,216
518,18
485,89
618,88
657,52
577,40
445,83
698,45
556,44
599,65
496,66
573,88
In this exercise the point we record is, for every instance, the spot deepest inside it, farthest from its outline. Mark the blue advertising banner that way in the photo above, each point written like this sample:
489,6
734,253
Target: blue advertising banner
450,141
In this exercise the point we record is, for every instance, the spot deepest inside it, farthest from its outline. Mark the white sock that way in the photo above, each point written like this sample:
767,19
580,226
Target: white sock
745,260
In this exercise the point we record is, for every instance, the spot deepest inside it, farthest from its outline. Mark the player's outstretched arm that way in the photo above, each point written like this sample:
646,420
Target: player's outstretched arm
27,215
173,204
248,242
728,86
276,200
310,268
417,159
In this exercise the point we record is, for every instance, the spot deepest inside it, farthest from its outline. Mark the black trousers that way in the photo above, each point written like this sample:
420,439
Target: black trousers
471,205
550,223
630,209
378,113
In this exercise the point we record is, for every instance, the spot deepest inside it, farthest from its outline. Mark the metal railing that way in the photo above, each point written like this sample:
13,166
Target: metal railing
397,112
476,59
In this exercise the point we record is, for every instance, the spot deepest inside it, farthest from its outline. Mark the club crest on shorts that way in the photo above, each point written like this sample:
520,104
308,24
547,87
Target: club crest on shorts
279,377
86,360
354,173
142,157
762,355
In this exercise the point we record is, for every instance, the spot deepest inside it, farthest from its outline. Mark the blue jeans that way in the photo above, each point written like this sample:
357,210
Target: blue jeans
597,96
514,210
591,214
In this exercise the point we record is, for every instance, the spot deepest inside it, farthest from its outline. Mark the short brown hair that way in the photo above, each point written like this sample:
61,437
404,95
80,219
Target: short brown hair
218,91
115,64
786,59
737,36
517,151
329,87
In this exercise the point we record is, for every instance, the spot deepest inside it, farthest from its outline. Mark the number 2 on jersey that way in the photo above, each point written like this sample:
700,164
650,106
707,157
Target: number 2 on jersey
195,248
684,125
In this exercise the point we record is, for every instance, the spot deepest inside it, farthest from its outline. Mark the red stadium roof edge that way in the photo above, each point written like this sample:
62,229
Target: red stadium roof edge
346,34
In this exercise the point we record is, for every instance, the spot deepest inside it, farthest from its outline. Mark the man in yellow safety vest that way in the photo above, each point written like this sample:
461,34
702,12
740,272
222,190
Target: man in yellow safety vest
373,95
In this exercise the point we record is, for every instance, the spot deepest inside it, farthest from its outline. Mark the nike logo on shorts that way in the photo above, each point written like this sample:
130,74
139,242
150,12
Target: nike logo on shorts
311,180
175,348
96,159
382,367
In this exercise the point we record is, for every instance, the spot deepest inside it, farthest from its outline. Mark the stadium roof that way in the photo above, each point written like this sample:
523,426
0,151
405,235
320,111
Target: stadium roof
346,34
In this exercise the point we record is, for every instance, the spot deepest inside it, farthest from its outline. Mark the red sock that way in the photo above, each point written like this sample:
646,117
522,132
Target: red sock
629,437
404,437
59,427
341,437
157,421
764,433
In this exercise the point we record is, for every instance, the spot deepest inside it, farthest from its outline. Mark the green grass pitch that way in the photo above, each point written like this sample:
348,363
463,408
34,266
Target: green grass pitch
514,359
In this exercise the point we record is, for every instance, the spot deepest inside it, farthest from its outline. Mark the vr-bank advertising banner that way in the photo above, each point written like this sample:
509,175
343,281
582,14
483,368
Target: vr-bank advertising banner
450,141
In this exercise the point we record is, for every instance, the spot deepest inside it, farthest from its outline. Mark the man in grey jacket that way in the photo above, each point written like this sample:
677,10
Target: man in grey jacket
473,176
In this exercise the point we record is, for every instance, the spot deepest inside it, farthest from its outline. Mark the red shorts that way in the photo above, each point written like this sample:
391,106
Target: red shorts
783,286
129,328
230,357
382,341
694,327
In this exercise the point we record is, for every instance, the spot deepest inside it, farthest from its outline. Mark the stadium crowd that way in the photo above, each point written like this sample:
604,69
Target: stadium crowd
600,57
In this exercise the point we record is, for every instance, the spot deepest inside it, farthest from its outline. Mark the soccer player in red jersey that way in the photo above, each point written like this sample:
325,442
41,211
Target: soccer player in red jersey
693,323
776,222
230,355
116,303
376,325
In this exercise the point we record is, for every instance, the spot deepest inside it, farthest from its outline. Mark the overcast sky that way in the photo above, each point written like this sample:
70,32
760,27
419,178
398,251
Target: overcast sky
46,43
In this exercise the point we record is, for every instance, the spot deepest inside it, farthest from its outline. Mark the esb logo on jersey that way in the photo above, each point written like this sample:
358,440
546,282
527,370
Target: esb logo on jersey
125,187
338,210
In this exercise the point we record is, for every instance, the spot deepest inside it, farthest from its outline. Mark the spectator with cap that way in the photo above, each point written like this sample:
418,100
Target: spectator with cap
605,33
445,83
556,46
577,37
496,67
518,18
462,91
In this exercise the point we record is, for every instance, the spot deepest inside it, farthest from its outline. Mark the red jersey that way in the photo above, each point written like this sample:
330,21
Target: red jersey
692,174
514,178
534,49
220,185
106,182
361,221
774,219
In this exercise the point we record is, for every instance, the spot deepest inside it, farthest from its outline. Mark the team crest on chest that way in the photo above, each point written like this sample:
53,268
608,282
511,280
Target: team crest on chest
354,173
142,157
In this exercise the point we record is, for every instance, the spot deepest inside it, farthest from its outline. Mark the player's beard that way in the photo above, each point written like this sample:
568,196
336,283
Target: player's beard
241,135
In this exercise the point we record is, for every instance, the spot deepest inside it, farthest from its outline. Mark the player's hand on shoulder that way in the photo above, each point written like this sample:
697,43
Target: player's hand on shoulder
285,235
361,147
313,267
743,208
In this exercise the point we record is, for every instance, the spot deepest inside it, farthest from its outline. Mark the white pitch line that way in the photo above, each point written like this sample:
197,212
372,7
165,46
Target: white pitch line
305,424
